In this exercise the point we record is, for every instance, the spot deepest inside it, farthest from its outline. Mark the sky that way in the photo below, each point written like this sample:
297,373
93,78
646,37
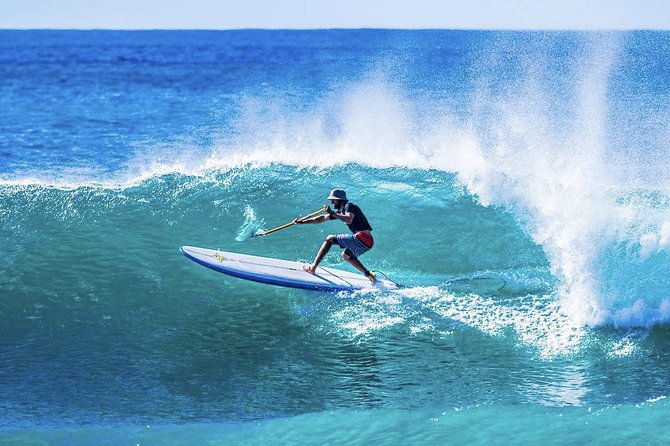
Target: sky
306,14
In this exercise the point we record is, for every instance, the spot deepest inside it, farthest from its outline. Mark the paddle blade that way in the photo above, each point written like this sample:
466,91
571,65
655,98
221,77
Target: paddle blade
250,227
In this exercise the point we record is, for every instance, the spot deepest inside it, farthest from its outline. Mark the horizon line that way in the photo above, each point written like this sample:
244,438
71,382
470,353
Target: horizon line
342,28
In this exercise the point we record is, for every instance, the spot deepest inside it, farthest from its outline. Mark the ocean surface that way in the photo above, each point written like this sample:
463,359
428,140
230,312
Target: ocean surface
517,182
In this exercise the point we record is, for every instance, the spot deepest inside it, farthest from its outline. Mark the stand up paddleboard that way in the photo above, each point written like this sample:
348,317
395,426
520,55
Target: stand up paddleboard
280,272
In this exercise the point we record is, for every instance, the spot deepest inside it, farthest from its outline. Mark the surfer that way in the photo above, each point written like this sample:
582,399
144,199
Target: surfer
355,244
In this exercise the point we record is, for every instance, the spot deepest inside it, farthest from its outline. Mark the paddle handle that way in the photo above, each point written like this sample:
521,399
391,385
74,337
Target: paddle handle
279,228
313,213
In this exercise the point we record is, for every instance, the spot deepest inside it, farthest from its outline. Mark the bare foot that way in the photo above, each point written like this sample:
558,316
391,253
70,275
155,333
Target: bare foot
309,269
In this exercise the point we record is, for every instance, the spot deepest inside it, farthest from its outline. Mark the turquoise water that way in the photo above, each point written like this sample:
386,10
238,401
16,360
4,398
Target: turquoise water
499,425
516,183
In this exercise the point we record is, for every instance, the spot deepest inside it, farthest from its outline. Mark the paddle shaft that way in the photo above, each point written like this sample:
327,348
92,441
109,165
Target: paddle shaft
279,228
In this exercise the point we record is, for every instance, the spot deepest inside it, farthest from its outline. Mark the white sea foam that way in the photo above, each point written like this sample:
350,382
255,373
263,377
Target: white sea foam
537,321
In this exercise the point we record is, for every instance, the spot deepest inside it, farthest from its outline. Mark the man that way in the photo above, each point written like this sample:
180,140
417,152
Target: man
355,244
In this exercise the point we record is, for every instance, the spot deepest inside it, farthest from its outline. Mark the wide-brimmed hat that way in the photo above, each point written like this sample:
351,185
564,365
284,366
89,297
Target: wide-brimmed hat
338,194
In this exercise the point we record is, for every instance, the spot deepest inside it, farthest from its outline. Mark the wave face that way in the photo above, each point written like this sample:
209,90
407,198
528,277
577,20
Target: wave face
516,182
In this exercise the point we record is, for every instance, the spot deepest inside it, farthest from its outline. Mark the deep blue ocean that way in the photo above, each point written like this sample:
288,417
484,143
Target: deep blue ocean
517,182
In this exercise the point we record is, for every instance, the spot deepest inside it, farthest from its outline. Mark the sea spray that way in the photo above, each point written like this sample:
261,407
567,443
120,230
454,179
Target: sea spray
251,225
559,179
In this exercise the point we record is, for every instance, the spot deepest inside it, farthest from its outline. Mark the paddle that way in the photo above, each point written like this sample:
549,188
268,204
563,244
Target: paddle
279,228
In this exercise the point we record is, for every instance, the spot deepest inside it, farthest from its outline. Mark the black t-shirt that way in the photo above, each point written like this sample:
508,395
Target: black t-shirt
359,223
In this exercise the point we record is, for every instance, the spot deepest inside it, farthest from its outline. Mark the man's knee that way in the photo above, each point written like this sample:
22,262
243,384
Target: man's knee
348,255
331,240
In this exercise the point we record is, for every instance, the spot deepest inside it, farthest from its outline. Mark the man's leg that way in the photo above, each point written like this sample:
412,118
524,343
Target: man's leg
330,241
359,266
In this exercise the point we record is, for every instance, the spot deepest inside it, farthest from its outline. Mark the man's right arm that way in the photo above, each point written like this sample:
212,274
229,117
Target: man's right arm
317,219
